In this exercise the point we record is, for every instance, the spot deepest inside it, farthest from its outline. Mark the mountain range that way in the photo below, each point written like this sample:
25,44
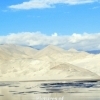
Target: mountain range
50,63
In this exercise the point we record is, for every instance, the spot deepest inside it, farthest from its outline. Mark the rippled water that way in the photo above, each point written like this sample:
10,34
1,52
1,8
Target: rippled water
50,90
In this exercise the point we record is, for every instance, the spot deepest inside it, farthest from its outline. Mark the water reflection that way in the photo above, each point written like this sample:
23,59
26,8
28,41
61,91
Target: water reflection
75,90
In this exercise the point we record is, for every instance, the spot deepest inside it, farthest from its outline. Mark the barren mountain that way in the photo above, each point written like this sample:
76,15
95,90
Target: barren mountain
52,62
8,51
29,69
92,63
50,51
54,53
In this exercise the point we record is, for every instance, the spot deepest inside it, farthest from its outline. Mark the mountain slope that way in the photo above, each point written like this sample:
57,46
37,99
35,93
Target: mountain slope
29,69
92,63
25,63
15,51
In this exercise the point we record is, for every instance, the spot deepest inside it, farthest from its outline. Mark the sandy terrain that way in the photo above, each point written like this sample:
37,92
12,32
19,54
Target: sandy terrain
52,62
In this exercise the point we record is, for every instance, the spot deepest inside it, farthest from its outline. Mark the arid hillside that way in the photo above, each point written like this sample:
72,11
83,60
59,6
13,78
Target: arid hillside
25,63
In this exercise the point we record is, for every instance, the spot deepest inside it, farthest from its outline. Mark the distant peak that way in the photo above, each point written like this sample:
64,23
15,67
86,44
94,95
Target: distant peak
51,46
54,47
73,50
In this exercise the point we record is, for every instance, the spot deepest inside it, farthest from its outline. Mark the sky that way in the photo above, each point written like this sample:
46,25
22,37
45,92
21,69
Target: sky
66,23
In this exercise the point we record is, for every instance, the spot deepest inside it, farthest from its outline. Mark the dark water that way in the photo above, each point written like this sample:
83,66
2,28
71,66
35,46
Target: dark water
74,90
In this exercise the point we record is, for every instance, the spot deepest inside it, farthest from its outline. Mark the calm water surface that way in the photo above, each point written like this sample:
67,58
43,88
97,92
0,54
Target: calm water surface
50,90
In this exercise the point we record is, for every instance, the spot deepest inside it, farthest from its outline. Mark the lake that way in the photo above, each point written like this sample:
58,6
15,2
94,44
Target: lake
50,90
